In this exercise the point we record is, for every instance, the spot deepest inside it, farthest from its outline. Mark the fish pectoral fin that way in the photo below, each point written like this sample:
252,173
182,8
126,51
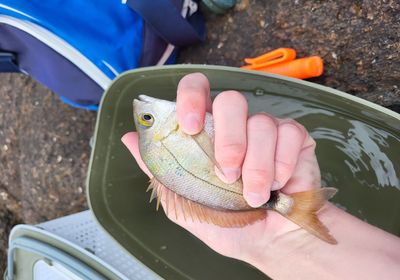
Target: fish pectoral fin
203,140
188,210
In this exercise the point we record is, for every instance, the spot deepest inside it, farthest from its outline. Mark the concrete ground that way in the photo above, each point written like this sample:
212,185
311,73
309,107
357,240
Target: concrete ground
44,143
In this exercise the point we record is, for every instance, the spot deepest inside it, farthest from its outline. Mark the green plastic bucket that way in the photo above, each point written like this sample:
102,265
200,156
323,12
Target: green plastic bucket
358,151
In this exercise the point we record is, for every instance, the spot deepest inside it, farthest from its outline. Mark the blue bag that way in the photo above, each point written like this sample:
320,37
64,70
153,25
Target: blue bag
76,47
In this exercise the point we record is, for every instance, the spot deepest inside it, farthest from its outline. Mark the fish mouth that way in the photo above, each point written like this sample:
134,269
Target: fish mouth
142,100
146,99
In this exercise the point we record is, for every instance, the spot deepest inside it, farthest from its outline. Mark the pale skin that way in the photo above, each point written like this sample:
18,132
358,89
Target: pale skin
275,154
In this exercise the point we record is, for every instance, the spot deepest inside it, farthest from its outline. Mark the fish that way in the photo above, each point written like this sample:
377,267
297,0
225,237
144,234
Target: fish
184,169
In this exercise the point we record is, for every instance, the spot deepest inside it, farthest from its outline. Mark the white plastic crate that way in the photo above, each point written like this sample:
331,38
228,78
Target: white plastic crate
81,232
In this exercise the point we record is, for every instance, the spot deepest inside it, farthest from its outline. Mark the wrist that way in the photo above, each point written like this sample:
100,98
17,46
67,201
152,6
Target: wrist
288,246
297,254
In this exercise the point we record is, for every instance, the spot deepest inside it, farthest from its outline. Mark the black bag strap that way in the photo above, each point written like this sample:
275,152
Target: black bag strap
8,62
168,22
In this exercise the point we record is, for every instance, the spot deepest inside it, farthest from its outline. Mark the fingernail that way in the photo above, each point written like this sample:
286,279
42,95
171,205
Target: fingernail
254,199
230,175
275,186
191,123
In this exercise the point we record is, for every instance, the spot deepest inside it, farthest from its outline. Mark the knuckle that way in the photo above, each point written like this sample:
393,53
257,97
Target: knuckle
231,153
191,86
195,77
282,177
294,129
230,96
257,177
261,122
284,168
311,142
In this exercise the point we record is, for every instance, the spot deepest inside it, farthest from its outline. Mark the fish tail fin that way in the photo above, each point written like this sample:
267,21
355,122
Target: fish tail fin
303,211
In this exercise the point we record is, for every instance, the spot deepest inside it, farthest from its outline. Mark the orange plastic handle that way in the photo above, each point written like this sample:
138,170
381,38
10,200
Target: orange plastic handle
276,56
302,68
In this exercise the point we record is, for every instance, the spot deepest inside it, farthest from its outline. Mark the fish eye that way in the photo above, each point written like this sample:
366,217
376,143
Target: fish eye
146,119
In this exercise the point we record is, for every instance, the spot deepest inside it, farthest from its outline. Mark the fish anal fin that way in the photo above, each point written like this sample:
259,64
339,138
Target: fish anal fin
153,194
184,208
159,196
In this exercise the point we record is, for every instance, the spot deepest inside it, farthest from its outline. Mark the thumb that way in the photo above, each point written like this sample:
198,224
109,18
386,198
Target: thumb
131,141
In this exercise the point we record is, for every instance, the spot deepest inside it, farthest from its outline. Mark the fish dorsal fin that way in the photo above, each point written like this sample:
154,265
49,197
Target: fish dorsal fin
203,140
186,209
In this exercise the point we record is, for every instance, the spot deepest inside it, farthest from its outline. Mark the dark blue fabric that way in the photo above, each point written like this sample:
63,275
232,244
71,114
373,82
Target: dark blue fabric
8,62
168,22
110,34
173,57
153,47
107,32
49,67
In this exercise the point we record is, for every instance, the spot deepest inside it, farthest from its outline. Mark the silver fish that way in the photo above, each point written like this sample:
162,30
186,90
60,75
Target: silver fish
184,173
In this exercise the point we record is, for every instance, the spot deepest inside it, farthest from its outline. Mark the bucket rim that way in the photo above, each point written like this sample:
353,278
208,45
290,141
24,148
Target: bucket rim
200,67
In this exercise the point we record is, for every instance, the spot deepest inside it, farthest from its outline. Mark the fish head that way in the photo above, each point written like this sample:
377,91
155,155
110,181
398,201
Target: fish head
153,116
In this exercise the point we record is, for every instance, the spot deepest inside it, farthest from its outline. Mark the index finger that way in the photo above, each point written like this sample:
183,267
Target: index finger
192,102
131,141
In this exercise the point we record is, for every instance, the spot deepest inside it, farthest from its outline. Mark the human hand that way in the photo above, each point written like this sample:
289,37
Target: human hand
268,153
